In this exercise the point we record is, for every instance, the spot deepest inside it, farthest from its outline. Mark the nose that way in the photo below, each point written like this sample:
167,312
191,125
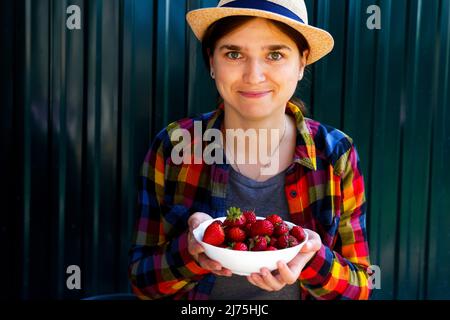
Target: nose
254,72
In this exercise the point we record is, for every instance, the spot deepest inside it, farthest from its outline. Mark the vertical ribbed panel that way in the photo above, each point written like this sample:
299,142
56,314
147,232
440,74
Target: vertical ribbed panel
439,196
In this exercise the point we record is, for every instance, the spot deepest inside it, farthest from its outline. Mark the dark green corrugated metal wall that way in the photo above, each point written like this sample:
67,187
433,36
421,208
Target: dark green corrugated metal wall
79,109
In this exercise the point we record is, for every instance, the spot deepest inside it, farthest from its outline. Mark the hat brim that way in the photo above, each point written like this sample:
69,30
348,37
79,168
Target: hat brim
320,41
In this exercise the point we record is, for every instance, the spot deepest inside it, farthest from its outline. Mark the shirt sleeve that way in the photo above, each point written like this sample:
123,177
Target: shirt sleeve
160,264
342,273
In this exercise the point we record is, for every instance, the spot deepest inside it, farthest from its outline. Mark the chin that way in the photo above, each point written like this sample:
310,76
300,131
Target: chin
254,111
256,114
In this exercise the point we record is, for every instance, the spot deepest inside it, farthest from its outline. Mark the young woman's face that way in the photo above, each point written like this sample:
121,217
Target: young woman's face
256,68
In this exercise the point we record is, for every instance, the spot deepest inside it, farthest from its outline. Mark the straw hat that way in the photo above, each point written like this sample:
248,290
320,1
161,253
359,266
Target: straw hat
290,12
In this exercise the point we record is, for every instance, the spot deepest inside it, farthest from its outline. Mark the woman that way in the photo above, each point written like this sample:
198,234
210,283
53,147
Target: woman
257,52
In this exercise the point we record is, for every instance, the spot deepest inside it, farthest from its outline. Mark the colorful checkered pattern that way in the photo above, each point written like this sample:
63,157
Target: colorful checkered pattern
324,188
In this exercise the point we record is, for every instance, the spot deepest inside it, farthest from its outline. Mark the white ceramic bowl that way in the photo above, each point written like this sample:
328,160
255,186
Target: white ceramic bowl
246,262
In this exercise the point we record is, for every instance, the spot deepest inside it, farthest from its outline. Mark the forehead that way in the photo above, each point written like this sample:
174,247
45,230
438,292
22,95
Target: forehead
255,32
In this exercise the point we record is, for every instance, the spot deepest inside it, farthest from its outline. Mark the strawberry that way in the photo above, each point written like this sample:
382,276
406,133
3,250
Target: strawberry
270,248
261,228
280,229
248,228
214,234
293,241
250,216
286,241
240,246
282,241
275,219
298,233
258,243
235,234
273,241
234,218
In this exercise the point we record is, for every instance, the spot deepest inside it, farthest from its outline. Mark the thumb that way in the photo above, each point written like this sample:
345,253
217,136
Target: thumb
307,247
196,219
193,224
313,244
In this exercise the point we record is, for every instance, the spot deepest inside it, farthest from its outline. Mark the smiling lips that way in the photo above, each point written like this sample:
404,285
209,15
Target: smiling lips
254,94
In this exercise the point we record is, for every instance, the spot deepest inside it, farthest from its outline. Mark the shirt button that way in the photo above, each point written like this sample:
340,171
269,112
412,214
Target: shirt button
293,193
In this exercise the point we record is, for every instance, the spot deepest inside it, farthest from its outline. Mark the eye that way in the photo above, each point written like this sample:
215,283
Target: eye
275,56
233,55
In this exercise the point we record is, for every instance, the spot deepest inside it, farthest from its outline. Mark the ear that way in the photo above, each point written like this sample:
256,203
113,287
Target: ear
303,59
211,60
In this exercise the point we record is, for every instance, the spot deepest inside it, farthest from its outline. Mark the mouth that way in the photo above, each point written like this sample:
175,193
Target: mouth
254,94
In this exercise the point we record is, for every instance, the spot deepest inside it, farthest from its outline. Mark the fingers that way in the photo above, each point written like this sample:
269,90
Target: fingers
224,272
274,283
258,281
212,265
288,275
266,280
207,263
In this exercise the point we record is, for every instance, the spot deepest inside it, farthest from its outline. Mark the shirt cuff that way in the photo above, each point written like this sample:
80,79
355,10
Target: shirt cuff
317,270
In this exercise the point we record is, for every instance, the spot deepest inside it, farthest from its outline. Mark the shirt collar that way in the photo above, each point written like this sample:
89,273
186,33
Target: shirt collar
305,150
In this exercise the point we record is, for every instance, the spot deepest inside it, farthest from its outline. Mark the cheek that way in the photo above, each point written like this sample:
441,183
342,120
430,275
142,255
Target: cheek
227,78
287,78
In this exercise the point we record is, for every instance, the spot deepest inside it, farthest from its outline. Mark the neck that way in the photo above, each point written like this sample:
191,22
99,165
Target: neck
274,124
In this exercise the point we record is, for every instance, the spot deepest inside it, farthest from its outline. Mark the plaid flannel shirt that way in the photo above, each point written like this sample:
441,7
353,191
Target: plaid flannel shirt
324,188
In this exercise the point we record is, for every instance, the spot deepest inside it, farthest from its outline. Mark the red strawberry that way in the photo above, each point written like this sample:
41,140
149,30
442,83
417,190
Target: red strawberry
261,228
275,219
258,243
280,229
235,218
282,241
273,241
270,248
235,234
247,229
286,241
240,246
214,234
293,241
250,216
298,233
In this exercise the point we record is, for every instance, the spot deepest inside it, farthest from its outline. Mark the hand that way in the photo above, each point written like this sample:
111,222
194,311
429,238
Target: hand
287,273
196,250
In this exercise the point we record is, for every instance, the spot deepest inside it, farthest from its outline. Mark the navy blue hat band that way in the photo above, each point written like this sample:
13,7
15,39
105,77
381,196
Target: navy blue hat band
263,5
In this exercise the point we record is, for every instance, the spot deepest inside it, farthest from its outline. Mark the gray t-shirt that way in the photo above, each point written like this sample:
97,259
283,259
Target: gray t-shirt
266,198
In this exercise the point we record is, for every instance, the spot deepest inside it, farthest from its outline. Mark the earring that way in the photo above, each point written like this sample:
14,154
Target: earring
213,74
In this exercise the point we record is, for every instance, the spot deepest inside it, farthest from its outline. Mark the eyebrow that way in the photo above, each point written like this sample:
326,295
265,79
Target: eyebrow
273,47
